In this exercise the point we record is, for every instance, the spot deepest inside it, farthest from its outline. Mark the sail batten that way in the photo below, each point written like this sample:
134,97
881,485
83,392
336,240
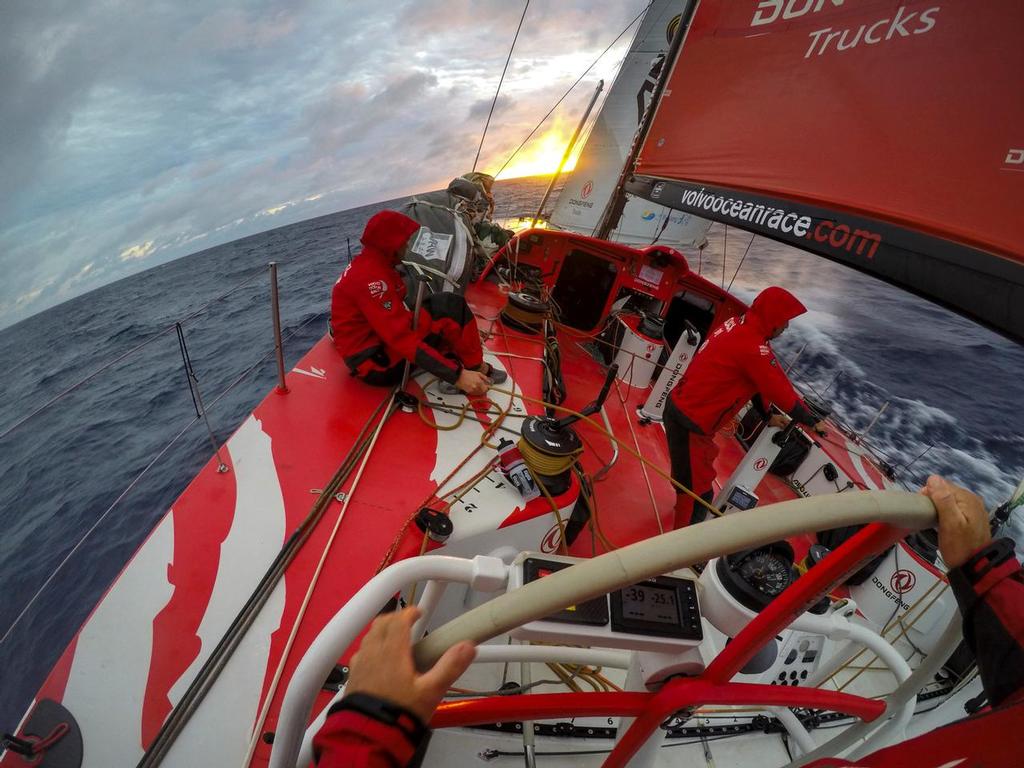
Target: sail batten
883,135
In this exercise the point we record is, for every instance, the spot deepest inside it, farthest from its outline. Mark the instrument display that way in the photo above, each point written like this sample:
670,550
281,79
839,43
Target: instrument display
650,604
660,614
665,606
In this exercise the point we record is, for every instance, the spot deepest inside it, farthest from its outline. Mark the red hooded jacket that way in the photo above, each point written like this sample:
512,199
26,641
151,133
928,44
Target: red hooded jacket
371,326
736,363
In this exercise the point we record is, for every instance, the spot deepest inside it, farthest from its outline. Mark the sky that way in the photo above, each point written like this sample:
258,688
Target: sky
135,133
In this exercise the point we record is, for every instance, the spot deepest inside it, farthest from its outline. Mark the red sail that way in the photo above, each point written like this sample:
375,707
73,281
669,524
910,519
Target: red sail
886,135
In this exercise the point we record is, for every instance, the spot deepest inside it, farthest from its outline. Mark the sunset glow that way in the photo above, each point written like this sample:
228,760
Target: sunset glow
541,156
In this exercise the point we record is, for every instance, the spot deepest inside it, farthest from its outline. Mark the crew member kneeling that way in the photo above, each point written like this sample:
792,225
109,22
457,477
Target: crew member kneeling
373,329
733,366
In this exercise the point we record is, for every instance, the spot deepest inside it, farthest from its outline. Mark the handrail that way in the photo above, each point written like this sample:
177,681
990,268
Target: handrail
482,573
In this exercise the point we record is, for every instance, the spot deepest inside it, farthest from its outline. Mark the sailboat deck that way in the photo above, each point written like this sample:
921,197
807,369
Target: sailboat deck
159,622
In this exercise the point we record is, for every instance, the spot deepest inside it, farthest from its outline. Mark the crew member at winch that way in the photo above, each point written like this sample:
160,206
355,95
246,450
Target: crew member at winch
373,329
735,365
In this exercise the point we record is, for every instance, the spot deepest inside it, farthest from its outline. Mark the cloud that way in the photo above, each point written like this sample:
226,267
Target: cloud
181,122
482,107
139,251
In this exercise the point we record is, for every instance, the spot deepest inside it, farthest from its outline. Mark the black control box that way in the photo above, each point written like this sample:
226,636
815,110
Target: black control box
664,606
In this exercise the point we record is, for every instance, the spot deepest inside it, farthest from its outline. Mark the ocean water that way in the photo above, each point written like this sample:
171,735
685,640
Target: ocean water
954,391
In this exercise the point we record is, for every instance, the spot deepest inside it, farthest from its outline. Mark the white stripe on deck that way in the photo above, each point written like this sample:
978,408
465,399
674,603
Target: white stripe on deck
108,676
219,731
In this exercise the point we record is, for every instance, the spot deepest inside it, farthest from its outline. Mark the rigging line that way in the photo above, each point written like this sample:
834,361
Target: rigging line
738,266
238,380
61,395
500,81
571,87
225,647
272,689
664,226
636,442
487,432
622,445
725,253
95,525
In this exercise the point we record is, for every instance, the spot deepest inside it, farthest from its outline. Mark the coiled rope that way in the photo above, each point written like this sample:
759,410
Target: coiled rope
547,464
622,445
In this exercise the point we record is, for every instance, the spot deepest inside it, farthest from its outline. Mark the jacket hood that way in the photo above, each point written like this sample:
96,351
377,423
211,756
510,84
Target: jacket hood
774,307
387,233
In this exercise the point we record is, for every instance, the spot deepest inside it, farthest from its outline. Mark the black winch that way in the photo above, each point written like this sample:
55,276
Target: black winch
525,312
550,446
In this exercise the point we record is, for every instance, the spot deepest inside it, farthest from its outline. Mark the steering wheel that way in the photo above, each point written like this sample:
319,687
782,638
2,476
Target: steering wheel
891,514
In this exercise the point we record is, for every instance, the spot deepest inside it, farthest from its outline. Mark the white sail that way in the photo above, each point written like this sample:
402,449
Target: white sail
587,190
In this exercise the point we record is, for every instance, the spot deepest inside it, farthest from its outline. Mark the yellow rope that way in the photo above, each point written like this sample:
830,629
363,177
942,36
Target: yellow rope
487,432
545,463
896,622
636,442
554,508
595,520
622,445
565,677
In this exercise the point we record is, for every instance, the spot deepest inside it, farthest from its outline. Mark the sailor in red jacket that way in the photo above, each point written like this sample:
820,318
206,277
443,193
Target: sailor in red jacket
373,329
380,723
734,366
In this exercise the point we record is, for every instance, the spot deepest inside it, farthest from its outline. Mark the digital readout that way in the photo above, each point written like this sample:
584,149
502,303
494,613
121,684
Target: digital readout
650,604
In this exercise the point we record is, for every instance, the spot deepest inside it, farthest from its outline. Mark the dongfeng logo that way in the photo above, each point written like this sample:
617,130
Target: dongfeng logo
552,540
587,189
902,581
656,190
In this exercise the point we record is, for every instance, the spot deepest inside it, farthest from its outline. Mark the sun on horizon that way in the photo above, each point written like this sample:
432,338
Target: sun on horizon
540,157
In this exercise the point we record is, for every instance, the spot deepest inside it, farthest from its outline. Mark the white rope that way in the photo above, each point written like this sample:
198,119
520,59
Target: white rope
255,739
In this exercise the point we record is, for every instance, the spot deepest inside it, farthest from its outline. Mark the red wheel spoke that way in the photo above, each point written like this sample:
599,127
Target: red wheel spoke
689,693
800,596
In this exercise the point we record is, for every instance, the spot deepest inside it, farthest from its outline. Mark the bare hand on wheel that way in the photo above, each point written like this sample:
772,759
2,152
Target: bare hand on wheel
963,521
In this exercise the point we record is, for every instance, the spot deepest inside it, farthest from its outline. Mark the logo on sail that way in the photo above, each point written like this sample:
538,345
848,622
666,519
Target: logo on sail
902,23
581,201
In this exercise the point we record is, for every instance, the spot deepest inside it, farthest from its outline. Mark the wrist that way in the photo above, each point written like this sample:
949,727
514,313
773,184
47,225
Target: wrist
384,711
988,565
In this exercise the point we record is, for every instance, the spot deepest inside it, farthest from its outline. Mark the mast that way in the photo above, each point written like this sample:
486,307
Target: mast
568,151
617,202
